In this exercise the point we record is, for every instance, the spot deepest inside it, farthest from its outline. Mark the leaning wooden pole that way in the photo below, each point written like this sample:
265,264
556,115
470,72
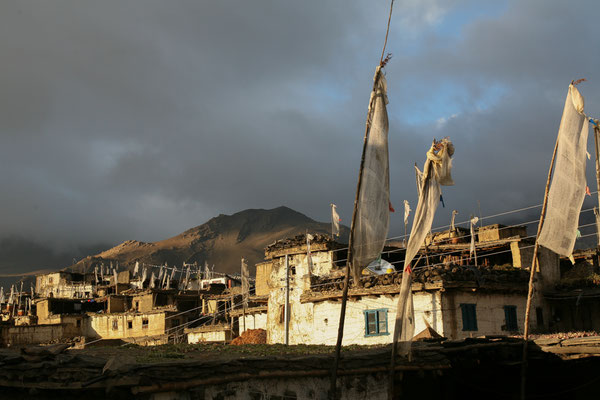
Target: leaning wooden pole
596,134
338,345
534,266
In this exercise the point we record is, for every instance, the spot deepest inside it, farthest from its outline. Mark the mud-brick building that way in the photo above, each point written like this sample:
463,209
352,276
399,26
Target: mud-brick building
64,284
453,293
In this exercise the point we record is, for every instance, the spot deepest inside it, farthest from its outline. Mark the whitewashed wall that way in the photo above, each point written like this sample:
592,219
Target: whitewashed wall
254,321
489,311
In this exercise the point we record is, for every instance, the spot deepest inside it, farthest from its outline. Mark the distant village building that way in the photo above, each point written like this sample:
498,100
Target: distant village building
453,297
295,298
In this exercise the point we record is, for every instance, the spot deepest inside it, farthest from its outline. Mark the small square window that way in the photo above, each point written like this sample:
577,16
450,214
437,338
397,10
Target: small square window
469,317
376,322
129,324
145,323
510,316
115,324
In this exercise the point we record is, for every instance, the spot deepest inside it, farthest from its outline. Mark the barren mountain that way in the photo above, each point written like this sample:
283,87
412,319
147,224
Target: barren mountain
222,241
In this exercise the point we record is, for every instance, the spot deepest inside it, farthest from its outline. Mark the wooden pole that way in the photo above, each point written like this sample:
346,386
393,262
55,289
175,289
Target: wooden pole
286,311
338,345
534,266
596,134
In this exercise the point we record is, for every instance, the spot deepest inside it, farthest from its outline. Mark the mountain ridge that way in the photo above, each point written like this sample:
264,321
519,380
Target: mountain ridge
221,241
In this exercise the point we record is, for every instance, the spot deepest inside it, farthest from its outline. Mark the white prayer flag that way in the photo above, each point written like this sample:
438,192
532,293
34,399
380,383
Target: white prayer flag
245,280
454,213
474,221
335,221
373,205
567,190
136,269
437,170
309,237
407,211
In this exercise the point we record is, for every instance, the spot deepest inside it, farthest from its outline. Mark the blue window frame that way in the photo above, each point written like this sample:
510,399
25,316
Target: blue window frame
469,317
376,322
510,316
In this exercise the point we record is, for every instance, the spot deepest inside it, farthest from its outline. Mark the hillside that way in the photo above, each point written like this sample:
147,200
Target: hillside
221,241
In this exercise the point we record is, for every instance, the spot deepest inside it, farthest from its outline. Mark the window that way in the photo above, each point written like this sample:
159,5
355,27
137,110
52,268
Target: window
469,317
78,323
376,322
539,314
129,324
282,313
115,324
510,316
50,280
175,322
145,323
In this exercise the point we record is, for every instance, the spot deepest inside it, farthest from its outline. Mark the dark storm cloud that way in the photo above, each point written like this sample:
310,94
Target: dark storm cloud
139,119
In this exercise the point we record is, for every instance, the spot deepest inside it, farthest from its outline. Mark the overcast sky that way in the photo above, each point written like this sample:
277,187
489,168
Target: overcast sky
127,119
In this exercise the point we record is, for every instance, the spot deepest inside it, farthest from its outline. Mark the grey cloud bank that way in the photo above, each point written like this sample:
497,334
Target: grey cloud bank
139,119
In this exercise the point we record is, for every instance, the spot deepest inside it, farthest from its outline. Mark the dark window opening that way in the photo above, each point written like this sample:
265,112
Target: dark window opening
115,324
469,317
510,316
78,323
539,314
145,323
129,324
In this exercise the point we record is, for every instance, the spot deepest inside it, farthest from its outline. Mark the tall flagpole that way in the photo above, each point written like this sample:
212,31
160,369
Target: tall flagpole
534,266
596,134
382,62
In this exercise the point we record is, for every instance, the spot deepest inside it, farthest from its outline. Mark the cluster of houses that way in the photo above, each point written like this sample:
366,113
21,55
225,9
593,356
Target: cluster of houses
458,291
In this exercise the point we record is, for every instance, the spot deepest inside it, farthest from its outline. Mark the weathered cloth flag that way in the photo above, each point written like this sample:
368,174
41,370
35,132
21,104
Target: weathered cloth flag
437,170
474,222
567,190
309,237
454,213
373,207
407,211
245,281
335,221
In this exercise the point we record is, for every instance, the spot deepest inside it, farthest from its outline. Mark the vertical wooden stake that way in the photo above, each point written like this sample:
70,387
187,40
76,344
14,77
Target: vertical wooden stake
596,134
286,310
534,266
338,345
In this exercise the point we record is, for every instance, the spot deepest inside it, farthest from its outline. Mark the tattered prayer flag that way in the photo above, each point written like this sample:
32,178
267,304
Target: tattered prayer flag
567,190
473,221
309,237
454,213
391,207
419,179
407,211
436,171
587,191
373,205
442,201
335,221
578,234
245,281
